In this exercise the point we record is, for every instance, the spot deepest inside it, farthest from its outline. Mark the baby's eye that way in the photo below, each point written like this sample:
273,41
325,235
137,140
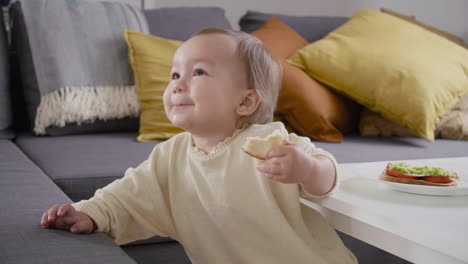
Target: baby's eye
199,72
175,76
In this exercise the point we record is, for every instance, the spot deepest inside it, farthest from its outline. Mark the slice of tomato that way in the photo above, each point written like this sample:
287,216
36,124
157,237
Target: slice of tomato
400,175
438,179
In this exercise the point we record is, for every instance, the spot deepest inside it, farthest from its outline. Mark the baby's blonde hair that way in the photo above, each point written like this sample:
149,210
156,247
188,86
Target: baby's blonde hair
264,72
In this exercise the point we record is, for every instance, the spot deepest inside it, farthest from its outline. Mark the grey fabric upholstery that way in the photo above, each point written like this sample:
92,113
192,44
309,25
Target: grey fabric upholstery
26,192
356,148
181,22
162,253
81,164
6,115
312,28
27,98
368,254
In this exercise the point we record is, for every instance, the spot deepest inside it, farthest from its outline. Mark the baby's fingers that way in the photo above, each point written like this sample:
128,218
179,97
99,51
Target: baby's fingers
84,224
64,209
270,167
44,221
81,227
48,218
282,150
273,172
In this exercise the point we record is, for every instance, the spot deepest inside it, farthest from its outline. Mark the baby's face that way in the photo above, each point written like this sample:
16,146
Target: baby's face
207,83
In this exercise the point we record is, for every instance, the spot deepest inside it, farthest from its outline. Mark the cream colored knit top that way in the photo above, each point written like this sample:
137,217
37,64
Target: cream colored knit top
217,205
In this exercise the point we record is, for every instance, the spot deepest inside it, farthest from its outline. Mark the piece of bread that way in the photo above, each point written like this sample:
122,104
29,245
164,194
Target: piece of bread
385,177
258,147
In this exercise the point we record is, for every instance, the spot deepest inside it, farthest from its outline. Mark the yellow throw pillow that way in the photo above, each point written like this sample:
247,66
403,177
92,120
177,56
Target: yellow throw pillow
151,60
407,74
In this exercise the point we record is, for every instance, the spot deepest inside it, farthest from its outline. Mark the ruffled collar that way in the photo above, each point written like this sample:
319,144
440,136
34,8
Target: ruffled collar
220,147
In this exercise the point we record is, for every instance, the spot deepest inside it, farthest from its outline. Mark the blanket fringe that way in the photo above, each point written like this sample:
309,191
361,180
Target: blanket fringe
85,104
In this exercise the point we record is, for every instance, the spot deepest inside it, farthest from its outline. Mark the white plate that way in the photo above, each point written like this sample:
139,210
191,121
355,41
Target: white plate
461,189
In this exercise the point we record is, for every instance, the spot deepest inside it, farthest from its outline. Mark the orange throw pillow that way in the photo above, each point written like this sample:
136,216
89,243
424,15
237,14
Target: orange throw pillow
307,106
280,39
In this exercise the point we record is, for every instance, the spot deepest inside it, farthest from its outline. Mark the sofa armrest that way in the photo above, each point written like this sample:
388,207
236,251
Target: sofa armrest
25,193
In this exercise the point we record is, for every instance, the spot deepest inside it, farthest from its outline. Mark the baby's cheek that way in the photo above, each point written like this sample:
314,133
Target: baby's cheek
166,100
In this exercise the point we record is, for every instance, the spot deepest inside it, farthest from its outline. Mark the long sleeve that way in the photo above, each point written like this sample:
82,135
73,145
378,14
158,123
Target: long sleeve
310,148
134,207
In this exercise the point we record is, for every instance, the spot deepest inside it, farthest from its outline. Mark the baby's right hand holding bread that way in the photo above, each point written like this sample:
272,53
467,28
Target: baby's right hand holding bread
284,161
67,218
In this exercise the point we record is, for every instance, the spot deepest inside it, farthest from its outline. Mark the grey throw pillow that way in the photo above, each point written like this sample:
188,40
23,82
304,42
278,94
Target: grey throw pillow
312,28
181,22
74,65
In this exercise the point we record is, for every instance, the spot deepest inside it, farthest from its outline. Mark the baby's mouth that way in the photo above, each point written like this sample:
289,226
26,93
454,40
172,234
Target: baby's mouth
181,106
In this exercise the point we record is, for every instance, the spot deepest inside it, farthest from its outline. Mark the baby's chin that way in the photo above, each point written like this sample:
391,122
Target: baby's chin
180,122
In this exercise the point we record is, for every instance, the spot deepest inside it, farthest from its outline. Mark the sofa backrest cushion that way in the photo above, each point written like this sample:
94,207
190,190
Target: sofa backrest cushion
312,28
180,23
5,98
74,65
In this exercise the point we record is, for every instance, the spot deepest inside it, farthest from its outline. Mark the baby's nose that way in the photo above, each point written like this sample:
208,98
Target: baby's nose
179,87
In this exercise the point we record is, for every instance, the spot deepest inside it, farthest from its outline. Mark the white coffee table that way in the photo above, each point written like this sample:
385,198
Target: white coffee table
418,228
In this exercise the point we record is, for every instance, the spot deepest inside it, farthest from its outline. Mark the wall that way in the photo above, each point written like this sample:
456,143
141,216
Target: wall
448,15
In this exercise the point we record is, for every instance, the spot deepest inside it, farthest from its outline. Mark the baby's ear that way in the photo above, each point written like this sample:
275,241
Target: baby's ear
249,104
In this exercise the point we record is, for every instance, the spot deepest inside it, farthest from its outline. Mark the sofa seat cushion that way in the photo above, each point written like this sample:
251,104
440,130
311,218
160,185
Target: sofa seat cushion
25,194
356,148
81,164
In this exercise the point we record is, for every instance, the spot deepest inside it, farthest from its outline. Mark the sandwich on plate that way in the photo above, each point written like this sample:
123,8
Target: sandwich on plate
403,172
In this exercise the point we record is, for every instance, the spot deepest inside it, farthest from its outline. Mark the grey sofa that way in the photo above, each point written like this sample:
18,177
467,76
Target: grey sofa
37,172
